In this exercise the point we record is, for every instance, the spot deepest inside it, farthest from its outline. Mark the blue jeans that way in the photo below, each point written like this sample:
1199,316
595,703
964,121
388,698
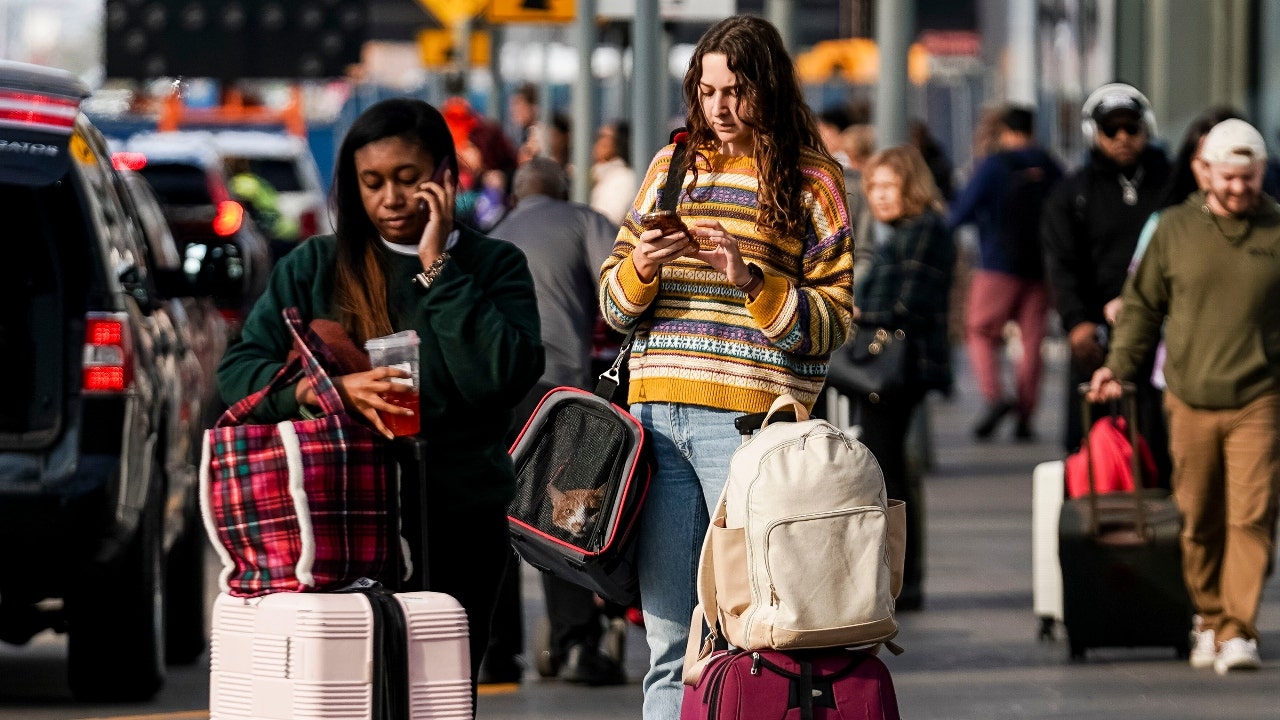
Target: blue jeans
692,446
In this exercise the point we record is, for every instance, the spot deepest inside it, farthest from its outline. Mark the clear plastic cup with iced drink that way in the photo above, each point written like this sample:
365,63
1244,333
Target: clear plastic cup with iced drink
399,351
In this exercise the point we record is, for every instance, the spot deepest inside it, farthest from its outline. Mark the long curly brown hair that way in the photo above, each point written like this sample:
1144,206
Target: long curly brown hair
770,103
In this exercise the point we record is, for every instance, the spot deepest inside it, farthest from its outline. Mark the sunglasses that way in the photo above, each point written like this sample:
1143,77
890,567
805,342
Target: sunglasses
1112,129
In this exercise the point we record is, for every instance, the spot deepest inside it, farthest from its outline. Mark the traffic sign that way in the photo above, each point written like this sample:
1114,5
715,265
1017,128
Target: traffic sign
436,48
452,12
531,11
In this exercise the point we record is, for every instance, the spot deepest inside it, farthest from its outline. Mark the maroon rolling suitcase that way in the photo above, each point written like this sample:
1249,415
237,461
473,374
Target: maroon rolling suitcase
830,684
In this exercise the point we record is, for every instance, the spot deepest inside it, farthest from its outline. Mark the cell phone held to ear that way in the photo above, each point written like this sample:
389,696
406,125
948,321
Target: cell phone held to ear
668,221
437,177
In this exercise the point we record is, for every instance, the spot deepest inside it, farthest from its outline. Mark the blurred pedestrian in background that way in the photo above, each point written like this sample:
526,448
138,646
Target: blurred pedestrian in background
399,262
833,126
1004,198
907,288
726,324
1210,277
935,157
565,244
613,179
1090,229
523,110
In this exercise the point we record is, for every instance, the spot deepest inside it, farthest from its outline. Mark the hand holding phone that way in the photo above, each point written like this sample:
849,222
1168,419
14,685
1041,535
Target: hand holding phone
668,221
437,177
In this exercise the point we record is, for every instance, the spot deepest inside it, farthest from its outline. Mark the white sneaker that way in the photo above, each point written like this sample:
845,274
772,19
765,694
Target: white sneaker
1204,651
1237,654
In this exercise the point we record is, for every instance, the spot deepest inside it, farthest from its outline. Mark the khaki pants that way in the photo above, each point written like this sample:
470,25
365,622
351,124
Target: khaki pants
1226,475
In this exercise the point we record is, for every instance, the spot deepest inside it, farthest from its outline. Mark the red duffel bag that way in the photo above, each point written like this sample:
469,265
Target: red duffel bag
1109,445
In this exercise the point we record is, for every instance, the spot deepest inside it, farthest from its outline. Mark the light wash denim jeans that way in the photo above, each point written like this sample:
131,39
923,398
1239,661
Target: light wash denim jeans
692,446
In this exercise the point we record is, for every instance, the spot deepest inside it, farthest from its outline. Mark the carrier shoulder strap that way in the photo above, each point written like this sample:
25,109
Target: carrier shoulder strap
608,382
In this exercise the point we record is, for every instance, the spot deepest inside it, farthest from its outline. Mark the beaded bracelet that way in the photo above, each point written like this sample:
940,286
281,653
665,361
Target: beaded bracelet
428,276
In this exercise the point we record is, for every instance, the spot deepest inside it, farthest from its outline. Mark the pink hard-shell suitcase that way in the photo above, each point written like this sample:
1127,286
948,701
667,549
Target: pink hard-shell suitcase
371,654
830,684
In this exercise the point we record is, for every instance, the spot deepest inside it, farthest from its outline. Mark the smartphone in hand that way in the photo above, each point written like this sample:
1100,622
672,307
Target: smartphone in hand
668,221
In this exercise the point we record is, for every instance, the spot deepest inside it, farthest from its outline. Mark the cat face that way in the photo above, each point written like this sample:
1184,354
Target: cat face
573,510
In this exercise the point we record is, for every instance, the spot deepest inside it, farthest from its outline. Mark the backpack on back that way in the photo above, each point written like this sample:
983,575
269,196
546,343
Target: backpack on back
1019,222
804,550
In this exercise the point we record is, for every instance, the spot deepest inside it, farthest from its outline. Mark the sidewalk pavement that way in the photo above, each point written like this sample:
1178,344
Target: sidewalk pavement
972,652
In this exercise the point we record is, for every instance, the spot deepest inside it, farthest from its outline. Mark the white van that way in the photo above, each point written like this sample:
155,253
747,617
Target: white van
286,162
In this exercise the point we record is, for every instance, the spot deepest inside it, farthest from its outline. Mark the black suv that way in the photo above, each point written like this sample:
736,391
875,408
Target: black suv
95,534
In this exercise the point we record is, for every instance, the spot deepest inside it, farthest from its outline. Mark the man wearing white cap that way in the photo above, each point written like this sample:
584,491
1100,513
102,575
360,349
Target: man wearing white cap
1213,270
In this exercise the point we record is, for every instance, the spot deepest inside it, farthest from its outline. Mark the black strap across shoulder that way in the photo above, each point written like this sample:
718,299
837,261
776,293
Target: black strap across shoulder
608,382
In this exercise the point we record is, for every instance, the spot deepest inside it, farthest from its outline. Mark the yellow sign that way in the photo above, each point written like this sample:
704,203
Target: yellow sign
435,48
531,11
857,60
452,12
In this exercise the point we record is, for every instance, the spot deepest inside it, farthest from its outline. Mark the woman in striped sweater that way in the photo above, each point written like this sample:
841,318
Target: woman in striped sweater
725,325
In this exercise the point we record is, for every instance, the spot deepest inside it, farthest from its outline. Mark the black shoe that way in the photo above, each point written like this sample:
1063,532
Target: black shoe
499,670
585,665
987,425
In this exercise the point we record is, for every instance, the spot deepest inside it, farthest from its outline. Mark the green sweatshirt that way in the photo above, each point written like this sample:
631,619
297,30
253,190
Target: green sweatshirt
1217,279
481,352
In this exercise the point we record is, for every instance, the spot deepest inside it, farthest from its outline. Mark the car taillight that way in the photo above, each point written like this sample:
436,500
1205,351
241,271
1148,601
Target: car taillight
108,353
229,218
308,224
128,160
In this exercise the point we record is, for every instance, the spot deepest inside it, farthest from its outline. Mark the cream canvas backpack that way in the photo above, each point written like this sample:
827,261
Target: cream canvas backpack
804,550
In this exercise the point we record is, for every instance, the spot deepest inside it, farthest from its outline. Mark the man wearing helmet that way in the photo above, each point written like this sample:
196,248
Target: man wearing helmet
1090,227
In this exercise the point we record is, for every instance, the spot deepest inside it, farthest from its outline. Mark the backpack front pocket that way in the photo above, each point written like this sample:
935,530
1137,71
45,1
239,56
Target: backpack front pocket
827,571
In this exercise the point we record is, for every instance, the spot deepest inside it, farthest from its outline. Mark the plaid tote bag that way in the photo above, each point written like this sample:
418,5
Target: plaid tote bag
299,505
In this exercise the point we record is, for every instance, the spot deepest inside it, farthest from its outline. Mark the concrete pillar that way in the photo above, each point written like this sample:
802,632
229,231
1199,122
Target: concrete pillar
1023,69
1159,62
584,101
782,14
647,70
1268,81
895,28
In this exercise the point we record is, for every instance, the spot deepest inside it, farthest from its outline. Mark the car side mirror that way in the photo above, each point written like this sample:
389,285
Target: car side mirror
131,279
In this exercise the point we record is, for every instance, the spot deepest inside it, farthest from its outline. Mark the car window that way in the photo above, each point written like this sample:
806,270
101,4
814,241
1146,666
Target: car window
178,184
105,203
281,173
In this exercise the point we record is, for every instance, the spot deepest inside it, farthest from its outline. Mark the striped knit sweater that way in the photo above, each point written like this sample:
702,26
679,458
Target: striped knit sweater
705,343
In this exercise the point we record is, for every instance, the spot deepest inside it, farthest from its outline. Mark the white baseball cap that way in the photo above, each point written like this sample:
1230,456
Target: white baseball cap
1234,142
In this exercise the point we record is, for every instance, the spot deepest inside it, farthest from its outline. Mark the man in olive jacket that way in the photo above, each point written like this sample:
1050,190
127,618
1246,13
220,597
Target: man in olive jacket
1211,277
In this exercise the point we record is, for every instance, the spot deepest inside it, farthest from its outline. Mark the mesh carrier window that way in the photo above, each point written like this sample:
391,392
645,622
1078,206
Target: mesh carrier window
579,447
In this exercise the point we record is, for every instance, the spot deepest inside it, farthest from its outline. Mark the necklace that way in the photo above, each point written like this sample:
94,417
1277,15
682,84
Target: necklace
1129,187
1232,238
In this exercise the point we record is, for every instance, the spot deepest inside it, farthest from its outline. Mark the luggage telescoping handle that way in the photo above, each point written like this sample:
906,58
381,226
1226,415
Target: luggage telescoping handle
1129,407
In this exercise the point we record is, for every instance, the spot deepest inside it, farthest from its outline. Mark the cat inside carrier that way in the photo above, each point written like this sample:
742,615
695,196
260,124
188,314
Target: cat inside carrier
582,470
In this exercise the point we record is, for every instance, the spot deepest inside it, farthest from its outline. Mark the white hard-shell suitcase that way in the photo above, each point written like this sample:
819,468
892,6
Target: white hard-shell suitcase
1048,485
304,656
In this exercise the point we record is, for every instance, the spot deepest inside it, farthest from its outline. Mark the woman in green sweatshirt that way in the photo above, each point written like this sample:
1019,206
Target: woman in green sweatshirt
398,262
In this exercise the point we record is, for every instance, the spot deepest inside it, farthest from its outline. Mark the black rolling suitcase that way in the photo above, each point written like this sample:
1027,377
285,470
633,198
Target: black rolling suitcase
1122,564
